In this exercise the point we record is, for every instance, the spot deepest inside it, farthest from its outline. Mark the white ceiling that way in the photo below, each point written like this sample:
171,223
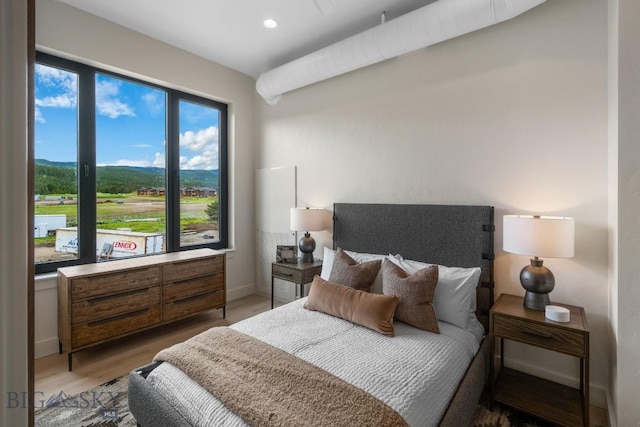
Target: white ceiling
230,32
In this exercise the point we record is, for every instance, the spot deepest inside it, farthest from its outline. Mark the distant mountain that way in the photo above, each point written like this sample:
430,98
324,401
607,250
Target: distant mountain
199,178
55,178
57,164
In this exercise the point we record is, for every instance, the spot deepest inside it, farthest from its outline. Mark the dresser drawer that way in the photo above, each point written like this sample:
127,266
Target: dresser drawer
114,282
181,270
185,307
114,305
101,330
190,287
538,334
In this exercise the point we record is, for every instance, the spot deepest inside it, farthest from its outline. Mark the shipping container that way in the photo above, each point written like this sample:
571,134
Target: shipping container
48,224
40,230
112,243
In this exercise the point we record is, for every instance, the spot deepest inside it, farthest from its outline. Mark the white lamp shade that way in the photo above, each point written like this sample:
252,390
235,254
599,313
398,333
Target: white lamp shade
541,236
307,219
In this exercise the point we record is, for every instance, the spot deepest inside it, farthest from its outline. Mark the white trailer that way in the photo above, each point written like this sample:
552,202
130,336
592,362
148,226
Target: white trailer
48,224
112,243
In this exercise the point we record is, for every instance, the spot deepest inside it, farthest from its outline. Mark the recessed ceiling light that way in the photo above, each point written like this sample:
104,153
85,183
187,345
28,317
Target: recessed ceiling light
270,23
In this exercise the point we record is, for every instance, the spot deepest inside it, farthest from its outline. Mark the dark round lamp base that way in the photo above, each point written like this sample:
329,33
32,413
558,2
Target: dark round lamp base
307,245
536,301
538,281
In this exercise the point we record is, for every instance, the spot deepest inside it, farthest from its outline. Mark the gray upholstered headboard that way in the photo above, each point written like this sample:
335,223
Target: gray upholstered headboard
455,236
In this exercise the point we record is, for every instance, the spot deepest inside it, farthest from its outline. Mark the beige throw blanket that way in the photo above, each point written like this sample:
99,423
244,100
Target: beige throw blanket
266,386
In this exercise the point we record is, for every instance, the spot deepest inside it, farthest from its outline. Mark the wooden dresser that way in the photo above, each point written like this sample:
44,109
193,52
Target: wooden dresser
104,301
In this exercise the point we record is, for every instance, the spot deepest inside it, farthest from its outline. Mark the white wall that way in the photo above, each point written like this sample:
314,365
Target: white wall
514,116
46,315
13,221
71,33
529,89
613,203
626,290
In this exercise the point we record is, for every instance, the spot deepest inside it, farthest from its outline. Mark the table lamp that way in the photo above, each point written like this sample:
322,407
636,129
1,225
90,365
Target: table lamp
538,236
307,219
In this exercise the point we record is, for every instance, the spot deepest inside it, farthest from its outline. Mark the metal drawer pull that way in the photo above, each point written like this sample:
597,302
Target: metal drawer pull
285,274
122,316
180,282
123,294
538,334
195,297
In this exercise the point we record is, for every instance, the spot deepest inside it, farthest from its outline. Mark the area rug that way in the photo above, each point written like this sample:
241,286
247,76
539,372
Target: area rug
501,416
102,406
107,406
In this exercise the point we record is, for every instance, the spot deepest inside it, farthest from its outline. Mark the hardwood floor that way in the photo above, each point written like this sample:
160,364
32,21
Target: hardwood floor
105,362
102,363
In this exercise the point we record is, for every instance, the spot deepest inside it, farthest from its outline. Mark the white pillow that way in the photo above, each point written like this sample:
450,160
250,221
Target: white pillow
455,300
327,264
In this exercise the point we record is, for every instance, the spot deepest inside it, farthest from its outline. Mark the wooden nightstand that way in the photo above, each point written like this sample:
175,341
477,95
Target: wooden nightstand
300,273
545,399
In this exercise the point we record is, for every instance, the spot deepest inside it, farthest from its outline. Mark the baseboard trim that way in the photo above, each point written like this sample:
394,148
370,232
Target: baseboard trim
241,292
46,347
611,413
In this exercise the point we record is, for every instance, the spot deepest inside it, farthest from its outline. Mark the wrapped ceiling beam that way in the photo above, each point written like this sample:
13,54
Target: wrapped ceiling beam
434,23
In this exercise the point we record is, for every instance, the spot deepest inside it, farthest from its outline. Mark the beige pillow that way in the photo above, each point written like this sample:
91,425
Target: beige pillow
416,294
374,311
348,272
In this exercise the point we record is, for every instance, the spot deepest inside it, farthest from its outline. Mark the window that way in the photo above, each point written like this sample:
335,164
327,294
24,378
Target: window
123,167
199,164
56,148
131,192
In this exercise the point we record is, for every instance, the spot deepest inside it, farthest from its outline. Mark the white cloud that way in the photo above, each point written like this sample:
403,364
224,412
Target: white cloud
38,116
141,145
127,162
66,86
159,161
196,141
55,77
196,113
107,102
60,81
62,101
196,162
154,101
204,145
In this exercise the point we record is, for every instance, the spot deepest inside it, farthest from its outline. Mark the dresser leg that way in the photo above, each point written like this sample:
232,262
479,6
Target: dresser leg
224,312
272,291
59,347
70,361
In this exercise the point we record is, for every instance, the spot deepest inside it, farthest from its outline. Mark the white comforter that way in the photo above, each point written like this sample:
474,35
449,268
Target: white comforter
415,372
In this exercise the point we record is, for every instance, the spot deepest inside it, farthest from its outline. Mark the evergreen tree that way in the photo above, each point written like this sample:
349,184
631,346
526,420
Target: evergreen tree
212,210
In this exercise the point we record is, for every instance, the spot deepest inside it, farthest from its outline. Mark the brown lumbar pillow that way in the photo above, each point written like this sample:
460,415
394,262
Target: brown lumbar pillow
348,272
374,311
416,294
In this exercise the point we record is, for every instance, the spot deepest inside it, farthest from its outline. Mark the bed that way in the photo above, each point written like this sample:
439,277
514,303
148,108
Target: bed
455,236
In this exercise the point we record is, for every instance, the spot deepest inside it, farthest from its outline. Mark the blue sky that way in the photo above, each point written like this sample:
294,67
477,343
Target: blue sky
130,123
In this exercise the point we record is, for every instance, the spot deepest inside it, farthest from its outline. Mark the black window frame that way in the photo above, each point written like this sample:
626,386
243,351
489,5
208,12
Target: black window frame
86,163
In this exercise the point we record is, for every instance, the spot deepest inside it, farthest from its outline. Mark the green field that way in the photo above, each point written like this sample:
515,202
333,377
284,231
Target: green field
145,214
